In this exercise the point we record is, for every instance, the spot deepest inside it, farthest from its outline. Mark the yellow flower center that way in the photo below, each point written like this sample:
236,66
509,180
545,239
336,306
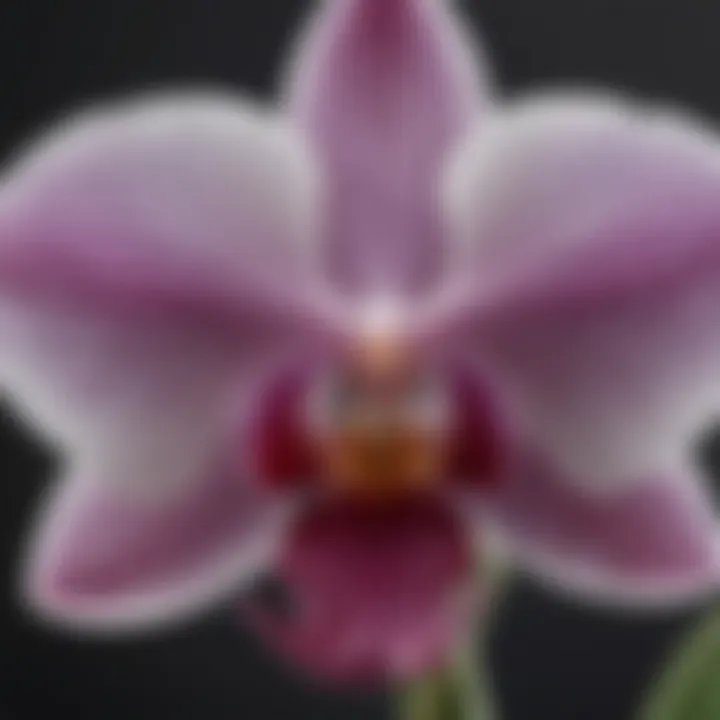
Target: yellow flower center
384,437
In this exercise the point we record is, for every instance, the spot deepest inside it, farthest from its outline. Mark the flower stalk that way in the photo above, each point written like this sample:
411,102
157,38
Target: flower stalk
464,689
687,687
460,691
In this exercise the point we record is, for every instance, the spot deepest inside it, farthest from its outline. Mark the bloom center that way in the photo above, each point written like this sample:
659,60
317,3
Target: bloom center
380,424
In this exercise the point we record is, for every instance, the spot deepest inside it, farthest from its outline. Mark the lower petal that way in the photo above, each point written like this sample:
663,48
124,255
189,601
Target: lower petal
656,543
377,593
102,559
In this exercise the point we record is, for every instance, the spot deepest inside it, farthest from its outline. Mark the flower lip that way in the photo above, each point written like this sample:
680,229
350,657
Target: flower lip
373,590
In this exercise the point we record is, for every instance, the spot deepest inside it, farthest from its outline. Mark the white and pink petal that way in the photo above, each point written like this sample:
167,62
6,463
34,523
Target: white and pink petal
383,89
102,561
156,262
653,544
587,280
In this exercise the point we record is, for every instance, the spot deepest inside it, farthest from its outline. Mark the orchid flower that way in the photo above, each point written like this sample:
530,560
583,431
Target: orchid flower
359,342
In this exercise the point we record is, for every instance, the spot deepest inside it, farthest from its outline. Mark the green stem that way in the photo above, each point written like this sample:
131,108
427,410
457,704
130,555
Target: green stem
473,683
461,691
688,688
464,689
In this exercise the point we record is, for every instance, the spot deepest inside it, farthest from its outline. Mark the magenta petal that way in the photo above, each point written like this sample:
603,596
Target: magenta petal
589,248
156,261
378,593
384,88
155,258
653,543
104,559
188,204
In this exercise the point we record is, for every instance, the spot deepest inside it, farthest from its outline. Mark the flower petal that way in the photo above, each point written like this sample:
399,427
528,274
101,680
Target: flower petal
154,265
384,87
378,592
655,543
173,203
103,561
589,234
147,264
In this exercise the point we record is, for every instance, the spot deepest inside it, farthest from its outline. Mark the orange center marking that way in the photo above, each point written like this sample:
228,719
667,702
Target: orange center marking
382,449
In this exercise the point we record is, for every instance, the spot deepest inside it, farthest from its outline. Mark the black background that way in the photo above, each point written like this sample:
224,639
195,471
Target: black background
553,659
